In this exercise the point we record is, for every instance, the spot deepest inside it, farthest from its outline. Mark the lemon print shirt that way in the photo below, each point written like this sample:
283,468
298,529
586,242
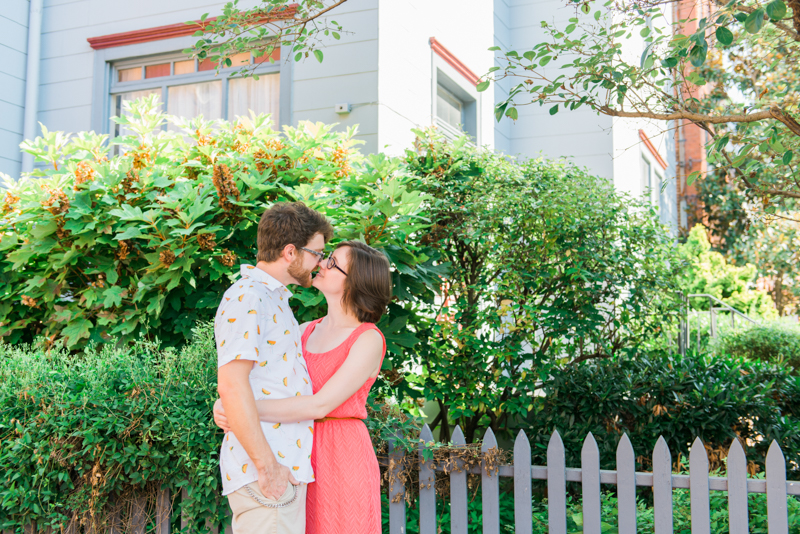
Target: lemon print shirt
254,322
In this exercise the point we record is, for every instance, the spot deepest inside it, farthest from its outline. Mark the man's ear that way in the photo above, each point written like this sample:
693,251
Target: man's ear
289,252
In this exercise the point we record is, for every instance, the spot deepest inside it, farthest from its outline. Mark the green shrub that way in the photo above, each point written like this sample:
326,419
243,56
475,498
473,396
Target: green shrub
769,342
83,432
715,398
549,263
710,273
147,241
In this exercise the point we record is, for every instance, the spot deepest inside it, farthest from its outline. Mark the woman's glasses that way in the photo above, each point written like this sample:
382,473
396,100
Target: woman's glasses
321,257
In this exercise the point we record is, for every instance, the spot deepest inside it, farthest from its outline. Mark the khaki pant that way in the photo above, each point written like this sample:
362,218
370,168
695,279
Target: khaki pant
250,517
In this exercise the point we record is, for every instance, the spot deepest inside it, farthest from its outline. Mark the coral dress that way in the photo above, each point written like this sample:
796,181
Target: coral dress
345,495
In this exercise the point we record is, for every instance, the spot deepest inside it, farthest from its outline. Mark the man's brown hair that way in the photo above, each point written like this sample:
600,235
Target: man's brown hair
368,285
289,223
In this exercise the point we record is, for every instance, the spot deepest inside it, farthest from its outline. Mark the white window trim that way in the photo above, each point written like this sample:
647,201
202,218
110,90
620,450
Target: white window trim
468,91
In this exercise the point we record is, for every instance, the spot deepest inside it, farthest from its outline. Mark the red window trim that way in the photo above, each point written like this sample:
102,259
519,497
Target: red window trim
652,149
170,31
453,61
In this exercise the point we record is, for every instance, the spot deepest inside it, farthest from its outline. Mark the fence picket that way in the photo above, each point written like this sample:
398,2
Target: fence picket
626,486
397,491
590,475
490,488
138,515
427,487
662,487
556,486
737,489
777,513
163,512
523,518
698,488
184,515
458,489
30,528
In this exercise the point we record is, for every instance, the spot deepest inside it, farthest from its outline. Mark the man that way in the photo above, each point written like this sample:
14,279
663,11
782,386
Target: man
265,466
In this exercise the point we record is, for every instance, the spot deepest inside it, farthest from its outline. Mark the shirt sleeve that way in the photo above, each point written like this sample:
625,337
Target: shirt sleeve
236,329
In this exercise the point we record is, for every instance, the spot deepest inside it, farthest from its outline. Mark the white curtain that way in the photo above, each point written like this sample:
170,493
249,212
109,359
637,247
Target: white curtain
189,101
261,96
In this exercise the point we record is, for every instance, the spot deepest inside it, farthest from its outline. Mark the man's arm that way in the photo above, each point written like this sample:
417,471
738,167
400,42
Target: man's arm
233,386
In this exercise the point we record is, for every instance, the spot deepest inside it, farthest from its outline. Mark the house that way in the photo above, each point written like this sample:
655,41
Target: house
71,64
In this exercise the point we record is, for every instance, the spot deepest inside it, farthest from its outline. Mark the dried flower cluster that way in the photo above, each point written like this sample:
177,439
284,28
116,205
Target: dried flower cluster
123,250
340,158
28,301
167,257
228,258
9,202
226,187
206,241
131,178
269,157
141,157
57,202
84,173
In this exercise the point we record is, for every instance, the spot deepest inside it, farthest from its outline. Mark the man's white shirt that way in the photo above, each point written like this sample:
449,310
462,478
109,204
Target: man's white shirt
254,322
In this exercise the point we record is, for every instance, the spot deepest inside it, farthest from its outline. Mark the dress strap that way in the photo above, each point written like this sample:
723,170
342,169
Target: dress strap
310,328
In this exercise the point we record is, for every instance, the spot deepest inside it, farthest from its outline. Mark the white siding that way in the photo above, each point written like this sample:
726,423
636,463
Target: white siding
13,50
347,74
405,83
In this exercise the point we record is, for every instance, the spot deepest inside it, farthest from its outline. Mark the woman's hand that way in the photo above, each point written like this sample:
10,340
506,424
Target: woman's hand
219,416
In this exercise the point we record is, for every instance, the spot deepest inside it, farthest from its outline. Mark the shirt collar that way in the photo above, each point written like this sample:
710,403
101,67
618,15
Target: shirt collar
254,273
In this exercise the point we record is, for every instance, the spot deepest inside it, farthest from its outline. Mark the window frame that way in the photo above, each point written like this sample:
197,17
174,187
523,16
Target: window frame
445,75
107,61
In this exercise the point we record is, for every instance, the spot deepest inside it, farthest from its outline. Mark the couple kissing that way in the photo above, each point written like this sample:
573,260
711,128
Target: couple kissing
296,456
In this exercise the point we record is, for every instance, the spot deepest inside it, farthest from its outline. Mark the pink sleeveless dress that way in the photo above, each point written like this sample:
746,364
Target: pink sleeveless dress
345,495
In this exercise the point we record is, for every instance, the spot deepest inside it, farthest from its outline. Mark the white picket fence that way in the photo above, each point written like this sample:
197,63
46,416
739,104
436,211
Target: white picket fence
557,474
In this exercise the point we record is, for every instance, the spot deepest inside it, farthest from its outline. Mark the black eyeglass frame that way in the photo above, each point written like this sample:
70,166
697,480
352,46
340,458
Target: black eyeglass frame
332,264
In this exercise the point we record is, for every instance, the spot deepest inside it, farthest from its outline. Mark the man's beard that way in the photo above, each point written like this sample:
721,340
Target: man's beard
296,271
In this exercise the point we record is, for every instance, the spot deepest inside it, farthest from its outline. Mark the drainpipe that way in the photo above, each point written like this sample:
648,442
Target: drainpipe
32,79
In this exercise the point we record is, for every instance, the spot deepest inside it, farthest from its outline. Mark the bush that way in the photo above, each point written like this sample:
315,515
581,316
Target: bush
548,263
710,273
146,242
769,342
88,432
715,398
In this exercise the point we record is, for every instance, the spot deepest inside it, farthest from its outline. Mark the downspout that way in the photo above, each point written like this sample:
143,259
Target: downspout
32,79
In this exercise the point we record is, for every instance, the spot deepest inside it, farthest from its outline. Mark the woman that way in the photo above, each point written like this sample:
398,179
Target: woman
344,351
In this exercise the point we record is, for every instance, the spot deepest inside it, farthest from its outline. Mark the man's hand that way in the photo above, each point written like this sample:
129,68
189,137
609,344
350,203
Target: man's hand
219,417
273,480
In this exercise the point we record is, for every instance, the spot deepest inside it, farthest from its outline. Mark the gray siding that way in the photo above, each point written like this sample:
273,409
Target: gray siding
13,48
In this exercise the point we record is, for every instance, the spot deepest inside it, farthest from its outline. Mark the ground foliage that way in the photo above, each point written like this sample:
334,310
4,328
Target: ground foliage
547,263
769,342
145,243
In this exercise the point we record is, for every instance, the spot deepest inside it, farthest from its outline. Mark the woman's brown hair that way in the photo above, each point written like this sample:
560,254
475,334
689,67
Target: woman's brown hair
368,284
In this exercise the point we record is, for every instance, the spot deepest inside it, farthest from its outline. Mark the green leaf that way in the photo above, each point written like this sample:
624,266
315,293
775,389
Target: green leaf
336,36
724,35
569,29
318,55
493,48
698,55
692,177
298,56
585,8
554,110
529,55
597,15
787,157
669,63
544,61
482,86
755,21
511,113
776,10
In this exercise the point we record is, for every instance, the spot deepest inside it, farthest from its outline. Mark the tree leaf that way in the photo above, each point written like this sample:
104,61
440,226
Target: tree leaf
755,21
698,55
554,110
512,114
569,29
298,56
318,55
787,157
482,86
669,62
776,10
544,61
724,35
585,8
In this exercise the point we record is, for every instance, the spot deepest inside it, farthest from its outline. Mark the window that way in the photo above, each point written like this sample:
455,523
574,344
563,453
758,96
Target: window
189,87
646,184
448,108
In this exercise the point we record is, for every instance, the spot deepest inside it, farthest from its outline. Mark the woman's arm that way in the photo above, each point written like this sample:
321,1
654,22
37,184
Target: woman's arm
363,362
